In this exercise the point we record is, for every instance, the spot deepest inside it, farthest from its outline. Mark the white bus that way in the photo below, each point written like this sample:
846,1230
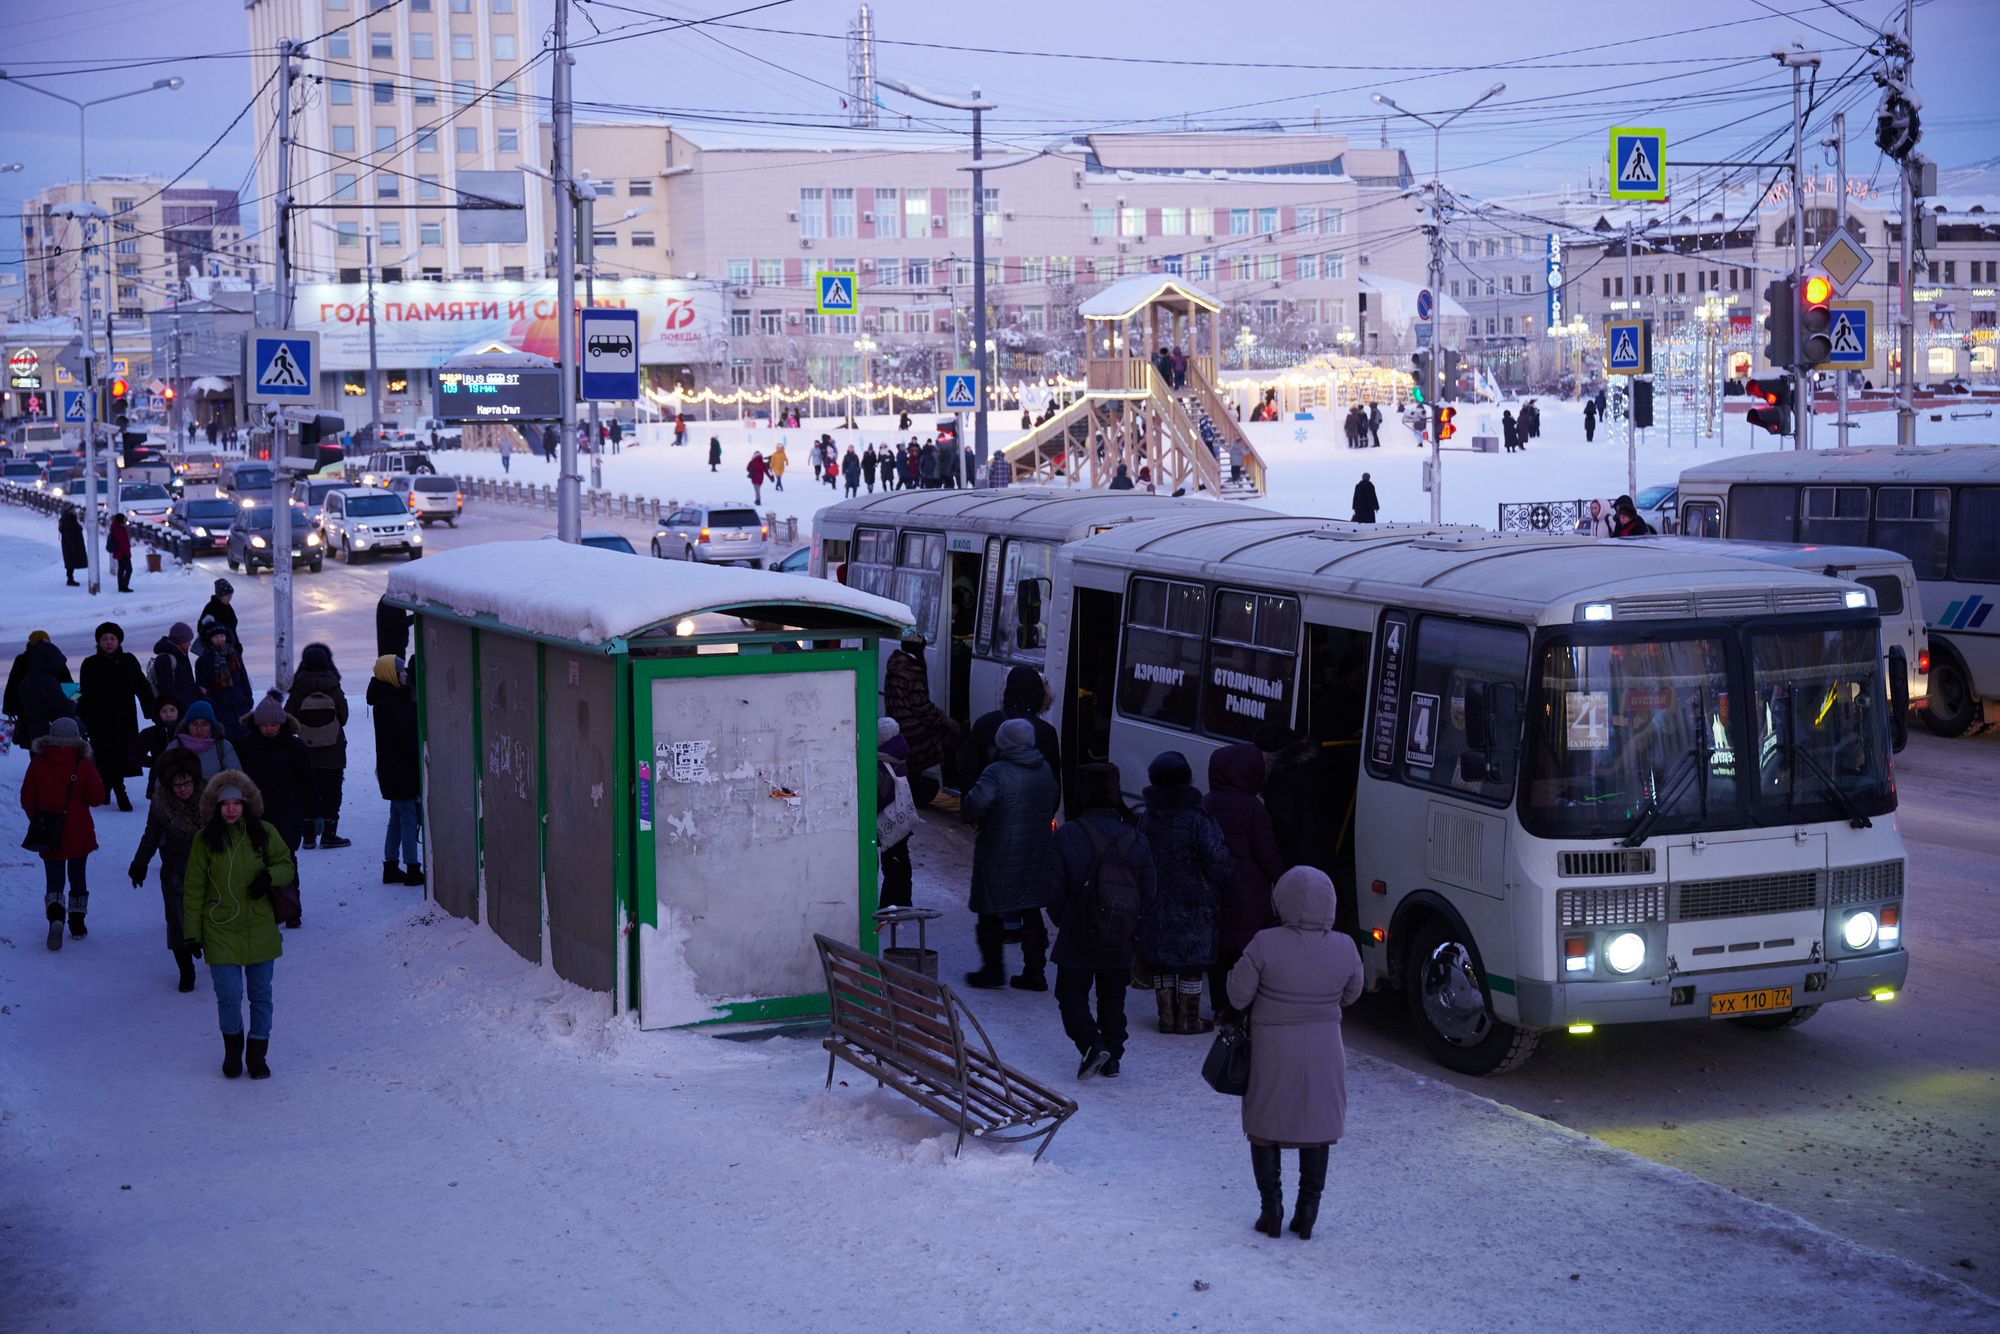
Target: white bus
975,567
1588,782
1939,506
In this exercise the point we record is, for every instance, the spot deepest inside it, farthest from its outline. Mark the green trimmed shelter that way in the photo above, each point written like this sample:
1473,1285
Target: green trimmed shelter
657,778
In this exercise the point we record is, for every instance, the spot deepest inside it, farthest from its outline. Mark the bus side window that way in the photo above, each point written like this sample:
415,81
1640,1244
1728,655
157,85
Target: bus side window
1701,518
1336,685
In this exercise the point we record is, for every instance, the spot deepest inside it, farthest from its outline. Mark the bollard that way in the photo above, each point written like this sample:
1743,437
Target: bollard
792,528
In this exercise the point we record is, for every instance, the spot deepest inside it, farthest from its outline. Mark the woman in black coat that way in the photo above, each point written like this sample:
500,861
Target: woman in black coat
1177,937
114,694
75,553
35,695
319,704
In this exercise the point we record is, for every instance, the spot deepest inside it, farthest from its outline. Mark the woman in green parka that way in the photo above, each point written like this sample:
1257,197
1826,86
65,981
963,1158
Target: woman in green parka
228,914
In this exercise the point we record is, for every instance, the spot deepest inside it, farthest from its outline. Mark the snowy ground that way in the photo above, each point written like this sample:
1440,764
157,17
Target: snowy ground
1312,472
457,1140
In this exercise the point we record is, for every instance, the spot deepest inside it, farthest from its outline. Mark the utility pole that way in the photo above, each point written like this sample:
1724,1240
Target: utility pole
1631,381
979,362
569,498
1432,398
83,220
1799,61
586,254
374,370
1839,142
281,477
1906,318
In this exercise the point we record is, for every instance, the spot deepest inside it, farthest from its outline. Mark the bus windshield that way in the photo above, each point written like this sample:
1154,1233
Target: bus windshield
1629,731
1821,725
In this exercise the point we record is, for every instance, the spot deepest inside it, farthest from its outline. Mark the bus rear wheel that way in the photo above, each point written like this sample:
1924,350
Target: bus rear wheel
1442,985
1952,708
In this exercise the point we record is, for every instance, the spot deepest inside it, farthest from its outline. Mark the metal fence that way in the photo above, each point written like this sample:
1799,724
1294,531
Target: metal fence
1543,516
647,509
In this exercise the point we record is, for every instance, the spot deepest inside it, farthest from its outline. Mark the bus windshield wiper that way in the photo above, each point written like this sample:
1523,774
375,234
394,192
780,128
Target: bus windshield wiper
1842,798
1683,772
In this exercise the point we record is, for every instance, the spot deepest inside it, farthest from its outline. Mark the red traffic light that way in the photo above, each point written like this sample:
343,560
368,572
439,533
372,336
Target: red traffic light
1775,417
1447,419
1761,391
120,387
1819,290
168,393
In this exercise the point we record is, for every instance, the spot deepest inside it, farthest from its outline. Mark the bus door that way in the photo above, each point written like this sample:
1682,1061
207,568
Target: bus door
1333,703
1091,680
965,567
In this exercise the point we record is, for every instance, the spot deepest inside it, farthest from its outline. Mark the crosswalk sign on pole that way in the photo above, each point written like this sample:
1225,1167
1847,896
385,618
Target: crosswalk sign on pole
1625,349
958,391
74,408
839,294
1851,333
282,366
1638,163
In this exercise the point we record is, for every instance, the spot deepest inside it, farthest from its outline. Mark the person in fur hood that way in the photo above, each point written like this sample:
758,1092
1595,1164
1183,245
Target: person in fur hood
62,780
172,820
228,912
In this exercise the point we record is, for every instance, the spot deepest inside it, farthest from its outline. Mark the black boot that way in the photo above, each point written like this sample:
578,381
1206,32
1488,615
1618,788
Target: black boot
253,1057
124,799
1264,1162
1312,1180
55,925
76,926
992,968
186,962
392,874
414,874
310,839
330,836
232,1055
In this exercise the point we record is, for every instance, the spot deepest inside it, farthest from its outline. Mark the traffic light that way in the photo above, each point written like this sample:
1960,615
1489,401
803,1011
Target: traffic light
112,399
168,394
1447,422
1642,403
1448,375
1775,416
1779,313
1815,319
1420,386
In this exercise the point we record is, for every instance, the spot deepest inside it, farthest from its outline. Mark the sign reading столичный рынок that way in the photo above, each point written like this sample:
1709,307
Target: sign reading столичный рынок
526,394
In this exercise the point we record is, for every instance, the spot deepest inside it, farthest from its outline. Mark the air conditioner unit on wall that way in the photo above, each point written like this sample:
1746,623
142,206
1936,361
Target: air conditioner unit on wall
791,317
793,216
868,218
742,291
937,222
806,243
868,264
1097,240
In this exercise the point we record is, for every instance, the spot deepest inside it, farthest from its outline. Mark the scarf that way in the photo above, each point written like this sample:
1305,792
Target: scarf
199,745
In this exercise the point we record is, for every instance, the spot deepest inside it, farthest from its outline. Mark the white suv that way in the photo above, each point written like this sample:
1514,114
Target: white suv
363,521
713,535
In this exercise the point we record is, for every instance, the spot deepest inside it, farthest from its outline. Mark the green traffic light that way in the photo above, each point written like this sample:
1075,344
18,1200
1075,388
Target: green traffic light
1416,393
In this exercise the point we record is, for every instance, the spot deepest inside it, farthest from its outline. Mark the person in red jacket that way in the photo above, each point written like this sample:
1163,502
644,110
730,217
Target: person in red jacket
62,778
119,544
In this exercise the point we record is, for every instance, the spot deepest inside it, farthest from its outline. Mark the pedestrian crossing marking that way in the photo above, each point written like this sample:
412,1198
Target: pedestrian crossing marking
73,407
1845,340
281,365
837,293
1638,163
1625,351
961,390
281,372
1639,167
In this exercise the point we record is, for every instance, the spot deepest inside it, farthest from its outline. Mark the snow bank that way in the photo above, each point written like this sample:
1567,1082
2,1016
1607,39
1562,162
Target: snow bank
588,596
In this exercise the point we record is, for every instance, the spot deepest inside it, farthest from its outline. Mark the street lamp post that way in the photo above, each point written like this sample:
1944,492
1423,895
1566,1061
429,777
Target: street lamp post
85,213
976,105
864,346
1437,275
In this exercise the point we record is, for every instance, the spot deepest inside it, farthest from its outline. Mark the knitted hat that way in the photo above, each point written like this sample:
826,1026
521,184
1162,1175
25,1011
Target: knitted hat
65,728
1169,768
181,633
200,711
224,586
886,730
210,627
1014,733
270,710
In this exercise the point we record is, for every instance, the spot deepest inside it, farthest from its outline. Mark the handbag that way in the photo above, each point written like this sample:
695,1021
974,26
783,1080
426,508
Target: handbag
898,820
45,828
1227,1067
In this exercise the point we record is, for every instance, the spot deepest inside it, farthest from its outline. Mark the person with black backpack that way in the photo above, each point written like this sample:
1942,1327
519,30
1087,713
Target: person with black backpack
319,704
1106,886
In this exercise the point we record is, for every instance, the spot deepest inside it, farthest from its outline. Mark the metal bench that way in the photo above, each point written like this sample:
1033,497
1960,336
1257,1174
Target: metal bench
905,1031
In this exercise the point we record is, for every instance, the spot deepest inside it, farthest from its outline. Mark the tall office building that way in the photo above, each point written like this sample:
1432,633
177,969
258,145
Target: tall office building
397,108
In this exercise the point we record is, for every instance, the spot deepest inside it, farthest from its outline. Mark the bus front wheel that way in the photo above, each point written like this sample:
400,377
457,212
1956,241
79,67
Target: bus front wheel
1952,709
1442,984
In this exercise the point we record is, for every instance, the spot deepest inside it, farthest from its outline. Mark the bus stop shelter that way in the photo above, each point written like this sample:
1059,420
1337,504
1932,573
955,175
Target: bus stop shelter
656,778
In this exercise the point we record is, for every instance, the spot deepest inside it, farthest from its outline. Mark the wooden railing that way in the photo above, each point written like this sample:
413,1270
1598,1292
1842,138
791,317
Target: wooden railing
1118,375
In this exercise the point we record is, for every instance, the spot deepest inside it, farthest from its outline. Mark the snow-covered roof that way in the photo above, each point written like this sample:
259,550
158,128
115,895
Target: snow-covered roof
1128,295
1919,463
588,596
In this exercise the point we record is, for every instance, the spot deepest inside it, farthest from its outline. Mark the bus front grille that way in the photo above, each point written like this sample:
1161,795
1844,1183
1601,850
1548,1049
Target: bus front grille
1866,884
1595,862
1745,896
1611,905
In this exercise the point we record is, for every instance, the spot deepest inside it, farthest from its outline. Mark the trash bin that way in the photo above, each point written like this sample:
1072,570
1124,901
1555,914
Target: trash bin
919,960
152,560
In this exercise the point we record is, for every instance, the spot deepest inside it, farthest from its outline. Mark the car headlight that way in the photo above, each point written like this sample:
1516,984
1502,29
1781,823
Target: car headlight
258,543
1624,952
416,538
312,539
201,532
1858,931
360,543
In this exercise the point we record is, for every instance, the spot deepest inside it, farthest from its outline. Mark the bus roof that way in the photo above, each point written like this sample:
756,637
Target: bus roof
1532,578
1819,556
1939,464
1045,512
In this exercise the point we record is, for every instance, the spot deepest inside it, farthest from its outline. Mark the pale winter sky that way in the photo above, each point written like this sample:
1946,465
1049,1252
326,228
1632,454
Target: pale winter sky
1701,68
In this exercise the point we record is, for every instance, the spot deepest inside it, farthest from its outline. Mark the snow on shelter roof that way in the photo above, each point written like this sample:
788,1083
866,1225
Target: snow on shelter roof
1128,295
584,595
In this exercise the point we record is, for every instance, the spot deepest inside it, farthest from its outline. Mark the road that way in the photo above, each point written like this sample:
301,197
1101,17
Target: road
1876,1122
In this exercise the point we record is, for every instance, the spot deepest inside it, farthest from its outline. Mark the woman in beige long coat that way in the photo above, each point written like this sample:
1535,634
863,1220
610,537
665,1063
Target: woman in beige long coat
1294,979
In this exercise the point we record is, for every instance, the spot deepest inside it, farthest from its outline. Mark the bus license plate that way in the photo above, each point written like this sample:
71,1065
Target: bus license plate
1729,1004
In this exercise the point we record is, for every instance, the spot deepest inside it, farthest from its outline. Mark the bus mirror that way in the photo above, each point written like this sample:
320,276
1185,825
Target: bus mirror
1899,699
1028,596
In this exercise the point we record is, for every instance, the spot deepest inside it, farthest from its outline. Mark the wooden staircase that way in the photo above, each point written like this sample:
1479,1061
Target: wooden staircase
1157,431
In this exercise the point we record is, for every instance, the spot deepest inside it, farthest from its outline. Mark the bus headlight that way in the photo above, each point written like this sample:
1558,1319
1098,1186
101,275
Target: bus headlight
1858,931
1624,952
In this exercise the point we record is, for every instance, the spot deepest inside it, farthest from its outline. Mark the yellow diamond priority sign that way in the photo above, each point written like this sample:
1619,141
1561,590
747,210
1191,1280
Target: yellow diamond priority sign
1844,261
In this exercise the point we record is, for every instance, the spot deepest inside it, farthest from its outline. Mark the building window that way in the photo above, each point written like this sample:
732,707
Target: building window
467,137
846,325
1201,222
1332,221
1173,222
770,273
343,138
423,46
888,213
917,212
1490,322
644,240
888,272
1062,269
461,46
431,273
736,272
381,46
508,140
427,141
892,320
1308,267
739,324
1267,222
427,187
1239,222
1507,325
1267,268
424,92
350,232
461,6
343,185
461,91
338,47
770,322
1454,287
503,46
503,6
385,93
1507,284
1104,222
340,92
642,189
812,212
919,272
843,213
387,186
1333,265
1131,222
430,233
604,240
385,138
989,204
1032,269
392,234
958,212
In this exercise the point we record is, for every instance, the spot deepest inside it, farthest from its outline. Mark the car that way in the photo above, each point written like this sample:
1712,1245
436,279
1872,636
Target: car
363,521
145,500
202,523
72,487
247,477
439,434
430,497
198,466
1659,506
312,493
380,465
20,474
721,534
601,538
799,562
249,541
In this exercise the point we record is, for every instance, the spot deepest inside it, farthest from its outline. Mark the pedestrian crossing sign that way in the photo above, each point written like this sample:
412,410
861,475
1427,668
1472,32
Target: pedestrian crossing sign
1852,335
282,366
959,390
1626,348
74,411
1638,163
838,293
